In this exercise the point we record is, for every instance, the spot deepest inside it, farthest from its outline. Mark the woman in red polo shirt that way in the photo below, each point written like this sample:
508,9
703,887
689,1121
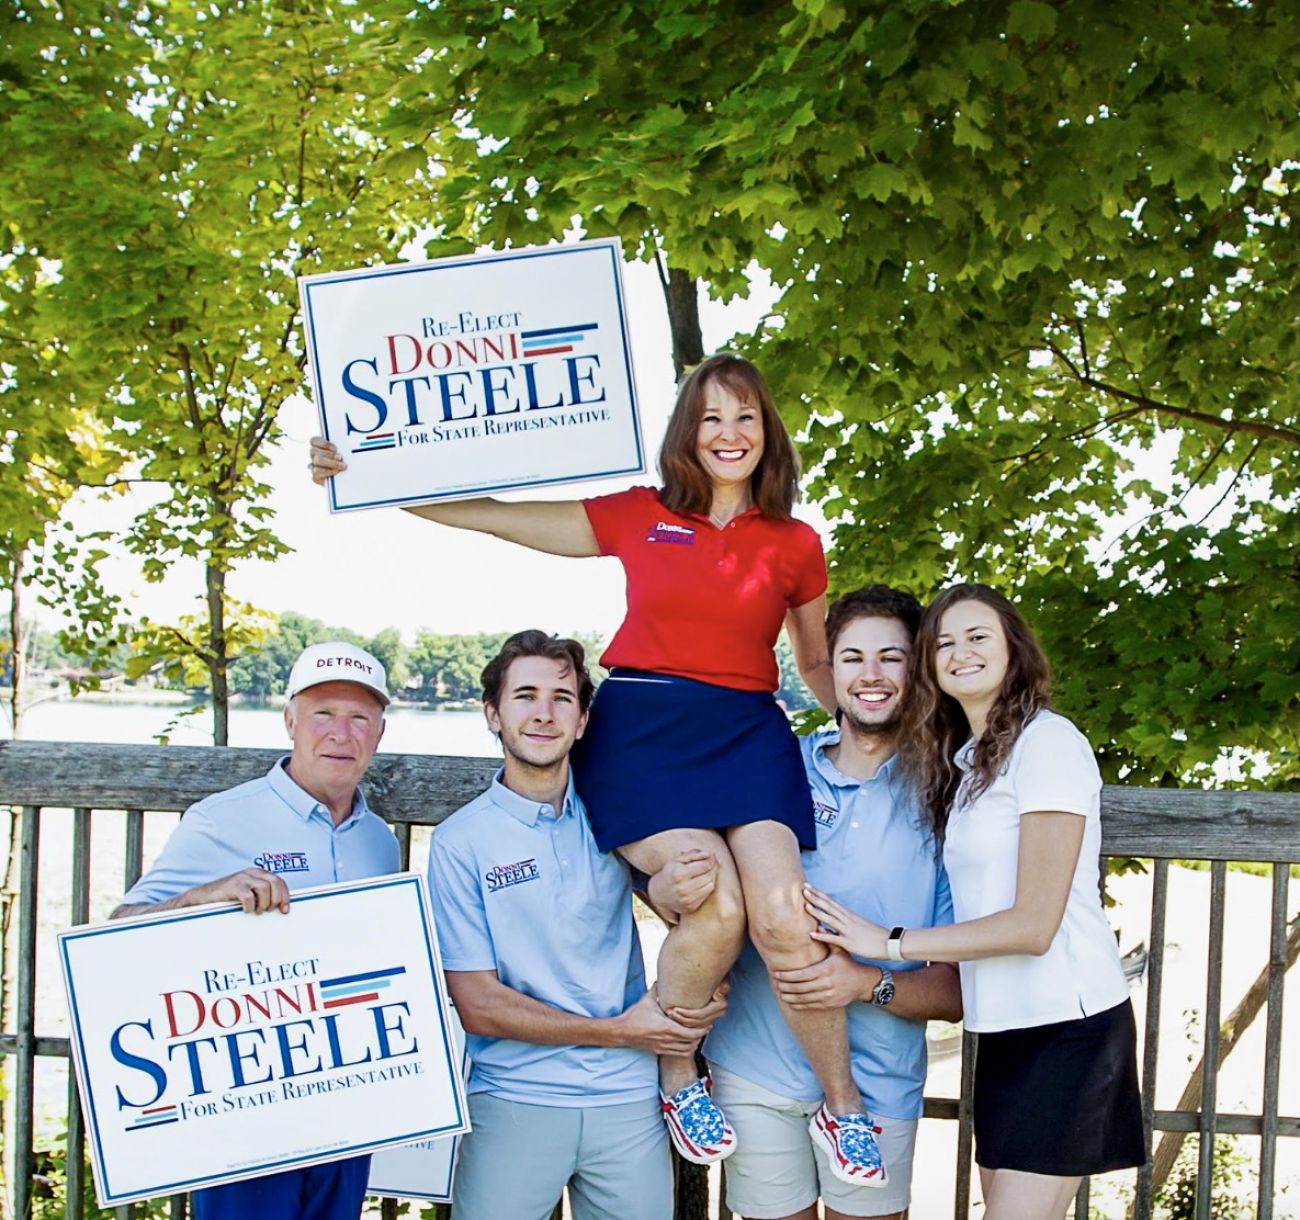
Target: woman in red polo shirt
688,767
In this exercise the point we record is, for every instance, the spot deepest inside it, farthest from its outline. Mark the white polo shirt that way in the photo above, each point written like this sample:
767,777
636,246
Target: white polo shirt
1051,768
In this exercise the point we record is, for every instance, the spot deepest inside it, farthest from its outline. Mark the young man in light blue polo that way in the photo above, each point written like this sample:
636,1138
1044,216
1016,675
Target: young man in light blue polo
543,962
872,855
304,823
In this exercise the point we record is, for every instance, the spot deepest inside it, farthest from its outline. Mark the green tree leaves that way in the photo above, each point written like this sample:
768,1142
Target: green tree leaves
180,167
1038,267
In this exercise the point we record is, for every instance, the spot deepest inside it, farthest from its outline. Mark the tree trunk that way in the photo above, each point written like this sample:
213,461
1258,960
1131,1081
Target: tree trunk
218,660
1230,1033
681,294
17,643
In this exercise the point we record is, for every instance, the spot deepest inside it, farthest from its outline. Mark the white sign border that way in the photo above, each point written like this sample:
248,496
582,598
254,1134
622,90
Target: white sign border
612,245
105,1197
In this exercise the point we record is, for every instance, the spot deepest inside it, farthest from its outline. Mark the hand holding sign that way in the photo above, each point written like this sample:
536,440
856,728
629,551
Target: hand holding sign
256,890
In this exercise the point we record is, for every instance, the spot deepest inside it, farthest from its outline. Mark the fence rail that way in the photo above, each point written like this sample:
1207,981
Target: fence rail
125,782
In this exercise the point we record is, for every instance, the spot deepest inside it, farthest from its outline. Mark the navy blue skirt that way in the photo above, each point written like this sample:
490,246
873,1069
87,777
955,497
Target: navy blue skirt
665,753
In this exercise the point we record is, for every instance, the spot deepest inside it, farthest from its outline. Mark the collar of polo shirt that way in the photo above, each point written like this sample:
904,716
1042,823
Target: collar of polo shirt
521,808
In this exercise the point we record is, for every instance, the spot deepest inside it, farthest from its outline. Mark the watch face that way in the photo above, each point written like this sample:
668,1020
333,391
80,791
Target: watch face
884,991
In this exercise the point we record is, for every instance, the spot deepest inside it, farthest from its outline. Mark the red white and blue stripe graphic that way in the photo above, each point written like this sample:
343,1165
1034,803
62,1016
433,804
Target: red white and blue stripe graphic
155,1116
377,440
555,340
356,988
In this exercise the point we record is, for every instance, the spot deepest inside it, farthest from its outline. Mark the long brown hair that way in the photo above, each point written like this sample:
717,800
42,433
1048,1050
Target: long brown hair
934,724
687,488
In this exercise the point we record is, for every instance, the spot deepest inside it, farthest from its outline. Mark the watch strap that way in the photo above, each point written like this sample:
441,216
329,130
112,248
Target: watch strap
894,945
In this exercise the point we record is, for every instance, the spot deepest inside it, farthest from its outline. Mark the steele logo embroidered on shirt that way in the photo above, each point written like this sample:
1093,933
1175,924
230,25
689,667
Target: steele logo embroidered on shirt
677,535
823,813
502,876
282,862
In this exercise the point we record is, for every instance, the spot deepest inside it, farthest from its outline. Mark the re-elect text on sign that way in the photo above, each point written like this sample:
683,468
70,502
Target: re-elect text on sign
465,376
211,1045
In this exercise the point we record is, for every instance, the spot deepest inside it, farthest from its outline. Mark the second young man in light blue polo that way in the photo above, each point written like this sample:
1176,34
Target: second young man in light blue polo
544,964
873,855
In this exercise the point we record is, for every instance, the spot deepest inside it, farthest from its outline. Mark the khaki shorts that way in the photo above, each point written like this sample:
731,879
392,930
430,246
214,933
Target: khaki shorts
776,1171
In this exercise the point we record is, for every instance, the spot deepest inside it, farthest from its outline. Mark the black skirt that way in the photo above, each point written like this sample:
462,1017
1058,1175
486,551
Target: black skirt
1060,1099
666,753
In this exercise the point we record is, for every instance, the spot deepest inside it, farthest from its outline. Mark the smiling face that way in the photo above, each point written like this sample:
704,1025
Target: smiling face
971,657
335,728
870,671
729,440
538,717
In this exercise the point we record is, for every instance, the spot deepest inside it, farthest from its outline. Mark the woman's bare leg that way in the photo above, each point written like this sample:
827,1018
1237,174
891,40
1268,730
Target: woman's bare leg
702,945
771,878
1012,1194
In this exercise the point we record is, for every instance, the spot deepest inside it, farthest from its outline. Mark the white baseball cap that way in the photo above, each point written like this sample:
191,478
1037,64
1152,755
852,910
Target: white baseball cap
335,661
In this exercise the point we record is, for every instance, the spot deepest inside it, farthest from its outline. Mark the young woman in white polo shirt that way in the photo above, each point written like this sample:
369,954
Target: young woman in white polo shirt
1012,791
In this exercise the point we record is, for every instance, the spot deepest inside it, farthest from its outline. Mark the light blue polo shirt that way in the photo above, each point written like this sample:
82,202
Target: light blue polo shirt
269,823
873,857
518,890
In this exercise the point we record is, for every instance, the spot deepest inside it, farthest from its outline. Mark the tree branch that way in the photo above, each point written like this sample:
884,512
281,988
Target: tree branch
1249,427
191,398
63,476
1232,483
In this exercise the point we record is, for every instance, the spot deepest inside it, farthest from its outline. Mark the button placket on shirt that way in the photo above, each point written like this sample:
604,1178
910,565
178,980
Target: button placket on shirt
320,813
546,814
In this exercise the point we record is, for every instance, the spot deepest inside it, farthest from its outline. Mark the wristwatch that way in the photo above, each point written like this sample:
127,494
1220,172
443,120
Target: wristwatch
883,992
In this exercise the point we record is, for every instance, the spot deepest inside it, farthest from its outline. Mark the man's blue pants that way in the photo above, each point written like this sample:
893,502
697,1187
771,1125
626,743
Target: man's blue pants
333,1191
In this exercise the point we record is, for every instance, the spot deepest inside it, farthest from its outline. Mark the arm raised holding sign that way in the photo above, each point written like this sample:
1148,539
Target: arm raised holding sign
557,527
687,749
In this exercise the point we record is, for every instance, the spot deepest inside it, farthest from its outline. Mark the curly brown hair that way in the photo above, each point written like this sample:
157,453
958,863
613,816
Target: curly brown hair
935,726
687,488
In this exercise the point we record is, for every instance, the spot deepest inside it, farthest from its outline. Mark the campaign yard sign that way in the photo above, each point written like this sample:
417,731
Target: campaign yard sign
466,376
426,1169
211,1045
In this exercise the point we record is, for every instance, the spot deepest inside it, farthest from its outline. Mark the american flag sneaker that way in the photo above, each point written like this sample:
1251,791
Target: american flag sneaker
850,1143
698,1129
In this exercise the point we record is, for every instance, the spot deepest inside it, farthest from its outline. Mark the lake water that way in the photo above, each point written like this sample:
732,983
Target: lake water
409,731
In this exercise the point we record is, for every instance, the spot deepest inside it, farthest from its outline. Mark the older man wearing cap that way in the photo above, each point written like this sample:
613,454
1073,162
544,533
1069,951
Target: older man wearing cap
304,823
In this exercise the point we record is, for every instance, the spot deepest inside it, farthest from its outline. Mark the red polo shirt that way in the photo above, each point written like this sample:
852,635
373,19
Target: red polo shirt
703,602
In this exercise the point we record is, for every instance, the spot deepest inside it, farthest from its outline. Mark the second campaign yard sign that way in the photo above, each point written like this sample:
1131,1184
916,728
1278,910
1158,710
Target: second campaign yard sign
466,376
211,1045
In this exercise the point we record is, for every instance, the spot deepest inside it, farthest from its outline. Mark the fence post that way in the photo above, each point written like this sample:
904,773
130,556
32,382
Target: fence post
1143,1203
75,1165
25,1013
965,1128
1273,1042
1210,1059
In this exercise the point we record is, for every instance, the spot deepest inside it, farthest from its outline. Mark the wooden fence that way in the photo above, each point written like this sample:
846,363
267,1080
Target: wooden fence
125,782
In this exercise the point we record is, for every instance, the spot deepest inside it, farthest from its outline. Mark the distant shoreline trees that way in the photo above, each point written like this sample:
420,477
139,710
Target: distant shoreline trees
434,668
